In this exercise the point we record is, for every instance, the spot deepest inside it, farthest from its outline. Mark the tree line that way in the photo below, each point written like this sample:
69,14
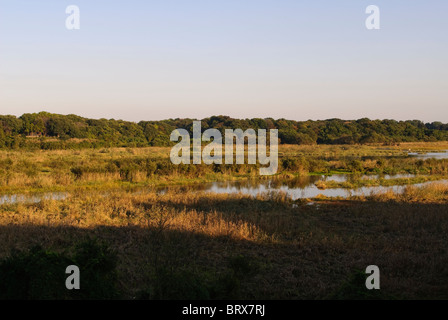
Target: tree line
45,130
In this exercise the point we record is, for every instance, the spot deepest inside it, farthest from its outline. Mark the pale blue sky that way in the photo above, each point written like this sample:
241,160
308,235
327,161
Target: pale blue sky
151,60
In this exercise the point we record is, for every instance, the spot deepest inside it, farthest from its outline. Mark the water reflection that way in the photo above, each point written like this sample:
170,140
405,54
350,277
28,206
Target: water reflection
35,198
430,155
297,188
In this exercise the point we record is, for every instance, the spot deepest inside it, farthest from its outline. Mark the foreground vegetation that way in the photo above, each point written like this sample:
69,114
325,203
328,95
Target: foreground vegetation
210,246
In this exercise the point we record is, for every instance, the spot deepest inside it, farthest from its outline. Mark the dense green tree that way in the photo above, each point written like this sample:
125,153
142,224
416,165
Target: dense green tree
73,131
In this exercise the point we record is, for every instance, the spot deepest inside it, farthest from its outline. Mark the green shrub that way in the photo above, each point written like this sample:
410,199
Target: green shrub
39,274
97,264
36,274
128,173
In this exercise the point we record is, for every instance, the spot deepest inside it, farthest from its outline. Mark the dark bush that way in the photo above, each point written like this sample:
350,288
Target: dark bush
39,274
77,172
128,172
178,285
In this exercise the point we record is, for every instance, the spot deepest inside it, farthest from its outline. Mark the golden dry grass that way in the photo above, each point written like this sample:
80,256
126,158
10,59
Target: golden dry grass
303,251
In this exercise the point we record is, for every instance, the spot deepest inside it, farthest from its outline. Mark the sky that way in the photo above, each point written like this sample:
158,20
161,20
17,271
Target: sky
153,60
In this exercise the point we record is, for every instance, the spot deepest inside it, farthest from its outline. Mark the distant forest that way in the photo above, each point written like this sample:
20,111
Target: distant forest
45,130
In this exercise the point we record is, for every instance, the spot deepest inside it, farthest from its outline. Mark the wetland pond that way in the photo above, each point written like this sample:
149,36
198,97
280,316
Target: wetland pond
296,188
429,155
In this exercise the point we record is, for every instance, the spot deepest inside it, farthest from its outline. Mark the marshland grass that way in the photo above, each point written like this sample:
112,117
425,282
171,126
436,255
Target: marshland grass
242,247
196,245
342,151
69,170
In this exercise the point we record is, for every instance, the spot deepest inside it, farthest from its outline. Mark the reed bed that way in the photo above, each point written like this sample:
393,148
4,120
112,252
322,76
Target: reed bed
264,247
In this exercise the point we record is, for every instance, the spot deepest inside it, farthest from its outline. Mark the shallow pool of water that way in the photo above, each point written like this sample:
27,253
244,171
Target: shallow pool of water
296,188
430,155
303,187
34,198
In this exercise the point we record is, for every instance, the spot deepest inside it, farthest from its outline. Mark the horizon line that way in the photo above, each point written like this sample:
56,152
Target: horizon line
221,115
